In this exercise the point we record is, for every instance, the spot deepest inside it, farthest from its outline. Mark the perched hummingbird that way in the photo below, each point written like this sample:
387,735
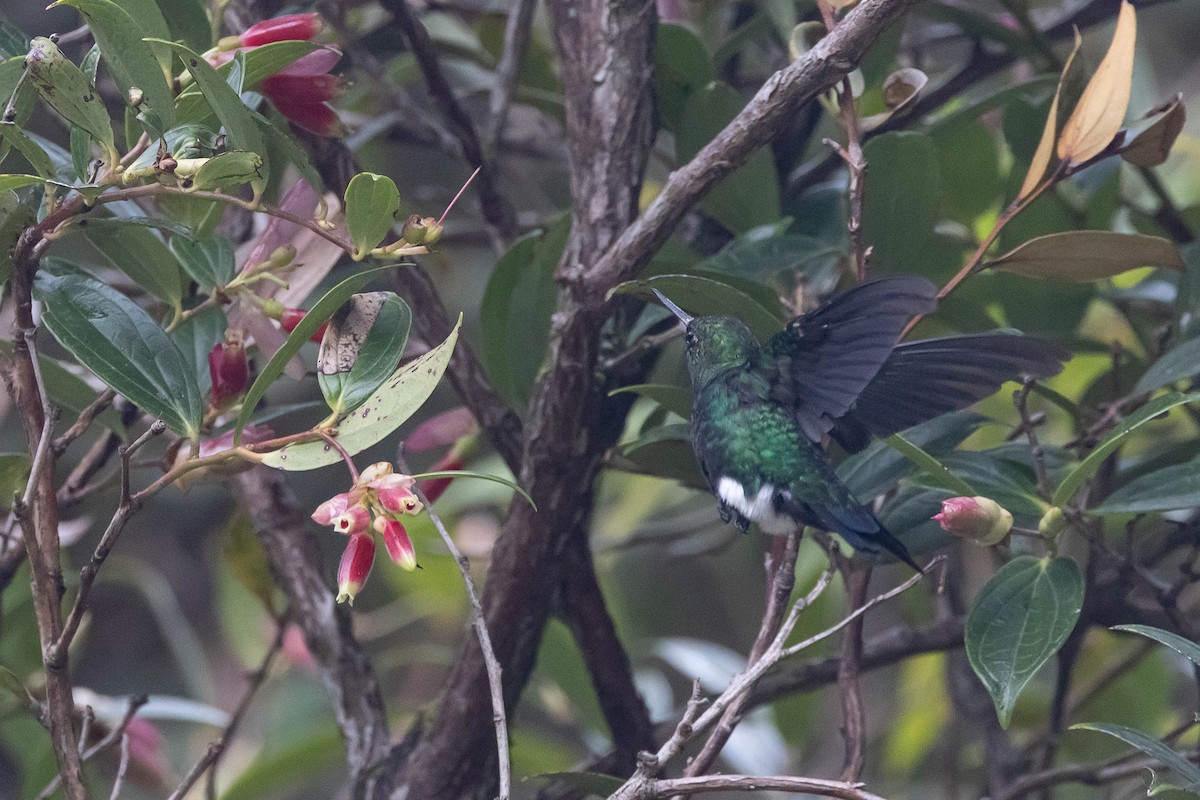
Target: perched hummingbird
760,411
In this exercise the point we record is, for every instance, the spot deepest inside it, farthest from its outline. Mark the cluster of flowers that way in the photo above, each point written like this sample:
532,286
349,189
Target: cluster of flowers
379,497
302,90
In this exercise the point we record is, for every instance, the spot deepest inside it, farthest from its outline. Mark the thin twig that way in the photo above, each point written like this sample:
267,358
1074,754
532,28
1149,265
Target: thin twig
516,42
758,783
43,446
122,767
854,717
118,731
495,682
86,417
781,579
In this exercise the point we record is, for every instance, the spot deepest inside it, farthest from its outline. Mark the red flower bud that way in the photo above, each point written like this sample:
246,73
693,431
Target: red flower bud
291,317
318,118
355,566
980,519
229,370
286,89
290,27
399,546
434,487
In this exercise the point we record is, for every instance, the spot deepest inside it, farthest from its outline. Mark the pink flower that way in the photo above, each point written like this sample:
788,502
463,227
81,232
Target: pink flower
355,566
979,519
353,521
229,370
395,493
302,91
289,27
335,506
395,539
442,429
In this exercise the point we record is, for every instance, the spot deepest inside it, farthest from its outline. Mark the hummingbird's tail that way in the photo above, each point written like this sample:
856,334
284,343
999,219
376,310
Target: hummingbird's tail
863,531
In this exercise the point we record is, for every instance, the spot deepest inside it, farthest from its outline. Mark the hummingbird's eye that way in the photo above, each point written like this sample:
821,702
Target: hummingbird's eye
689,337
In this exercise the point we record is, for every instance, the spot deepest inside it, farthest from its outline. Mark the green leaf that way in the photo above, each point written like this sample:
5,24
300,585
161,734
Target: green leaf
969,166
122,345
1019,621
35,155
879,467
14,474
372,202
1070,484
764,257
937,472
677,399
258,63
382,413
123,223
70,392
12,683
142,255
1151,747
14,218
1088,255
240,126
516,309
65,88
750,195
321,311
463,473
286,144
901,200
1168,489
15,89
704,296
361,348
130,60
195,337
1185,647
1179,363
9,182
209,262
13,40
682,67
188,22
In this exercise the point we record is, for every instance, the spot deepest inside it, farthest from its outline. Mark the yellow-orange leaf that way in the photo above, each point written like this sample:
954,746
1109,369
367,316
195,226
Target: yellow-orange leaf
1045,148
1101,108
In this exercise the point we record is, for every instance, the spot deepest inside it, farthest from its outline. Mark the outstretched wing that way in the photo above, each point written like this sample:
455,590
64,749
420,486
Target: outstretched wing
823,360
927,378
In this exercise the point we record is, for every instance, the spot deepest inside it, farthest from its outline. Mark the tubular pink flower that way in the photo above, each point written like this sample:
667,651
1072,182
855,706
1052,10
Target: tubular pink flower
395,539
355,566
353,521
334,507
290,27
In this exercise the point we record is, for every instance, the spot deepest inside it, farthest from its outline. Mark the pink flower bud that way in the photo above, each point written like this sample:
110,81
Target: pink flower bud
979,519
318,118
375,472
230,371
395,493
355,566
441,430
399,546
301,27
286,89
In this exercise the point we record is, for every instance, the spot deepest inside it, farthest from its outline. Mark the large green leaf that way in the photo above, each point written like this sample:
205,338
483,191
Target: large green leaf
938,474
901,200
1019,621
65,88
1088,255
1168,489
682,66
382,413
131,61
14,218
1070,484
38,158
1152,747
142,255
677,399
702,296
321,311
1185,647
366,350
880,466
372,202
516,309
1178,363
188,21
241,128
750,195
123,346
763,257
209,262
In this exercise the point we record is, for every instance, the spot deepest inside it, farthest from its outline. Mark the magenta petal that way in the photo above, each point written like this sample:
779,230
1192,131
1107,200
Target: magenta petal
317,62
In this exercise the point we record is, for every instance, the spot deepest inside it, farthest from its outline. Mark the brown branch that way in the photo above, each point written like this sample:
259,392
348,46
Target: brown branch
780,565
496,208
757,783
344,667
1087,774
767,114
516,42
111,738
854,716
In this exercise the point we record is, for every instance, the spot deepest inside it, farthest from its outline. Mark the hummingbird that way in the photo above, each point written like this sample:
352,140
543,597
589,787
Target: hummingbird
761,412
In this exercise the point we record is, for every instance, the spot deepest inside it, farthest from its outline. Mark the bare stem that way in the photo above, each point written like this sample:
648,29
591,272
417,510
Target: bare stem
495,682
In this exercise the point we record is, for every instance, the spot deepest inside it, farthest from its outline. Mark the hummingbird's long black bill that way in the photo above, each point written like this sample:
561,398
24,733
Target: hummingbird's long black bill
684,317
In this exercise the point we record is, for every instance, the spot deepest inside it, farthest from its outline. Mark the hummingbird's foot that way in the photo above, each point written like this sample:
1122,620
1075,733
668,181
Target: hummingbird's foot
725,511
742,523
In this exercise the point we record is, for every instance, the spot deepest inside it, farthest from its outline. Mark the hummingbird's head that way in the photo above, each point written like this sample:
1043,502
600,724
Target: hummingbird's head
713,344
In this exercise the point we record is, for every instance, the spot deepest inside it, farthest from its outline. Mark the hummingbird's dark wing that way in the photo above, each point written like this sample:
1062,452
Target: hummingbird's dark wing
823,360
927,378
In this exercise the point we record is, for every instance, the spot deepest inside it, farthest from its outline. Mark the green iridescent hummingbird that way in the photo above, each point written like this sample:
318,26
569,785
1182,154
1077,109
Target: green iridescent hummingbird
761,411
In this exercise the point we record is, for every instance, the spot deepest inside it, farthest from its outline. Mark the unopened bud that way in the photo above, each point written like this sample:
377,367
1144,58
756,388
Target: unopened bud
355,566
286,28
395,539
980,519
275,309
1052,522
419,230
229,370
